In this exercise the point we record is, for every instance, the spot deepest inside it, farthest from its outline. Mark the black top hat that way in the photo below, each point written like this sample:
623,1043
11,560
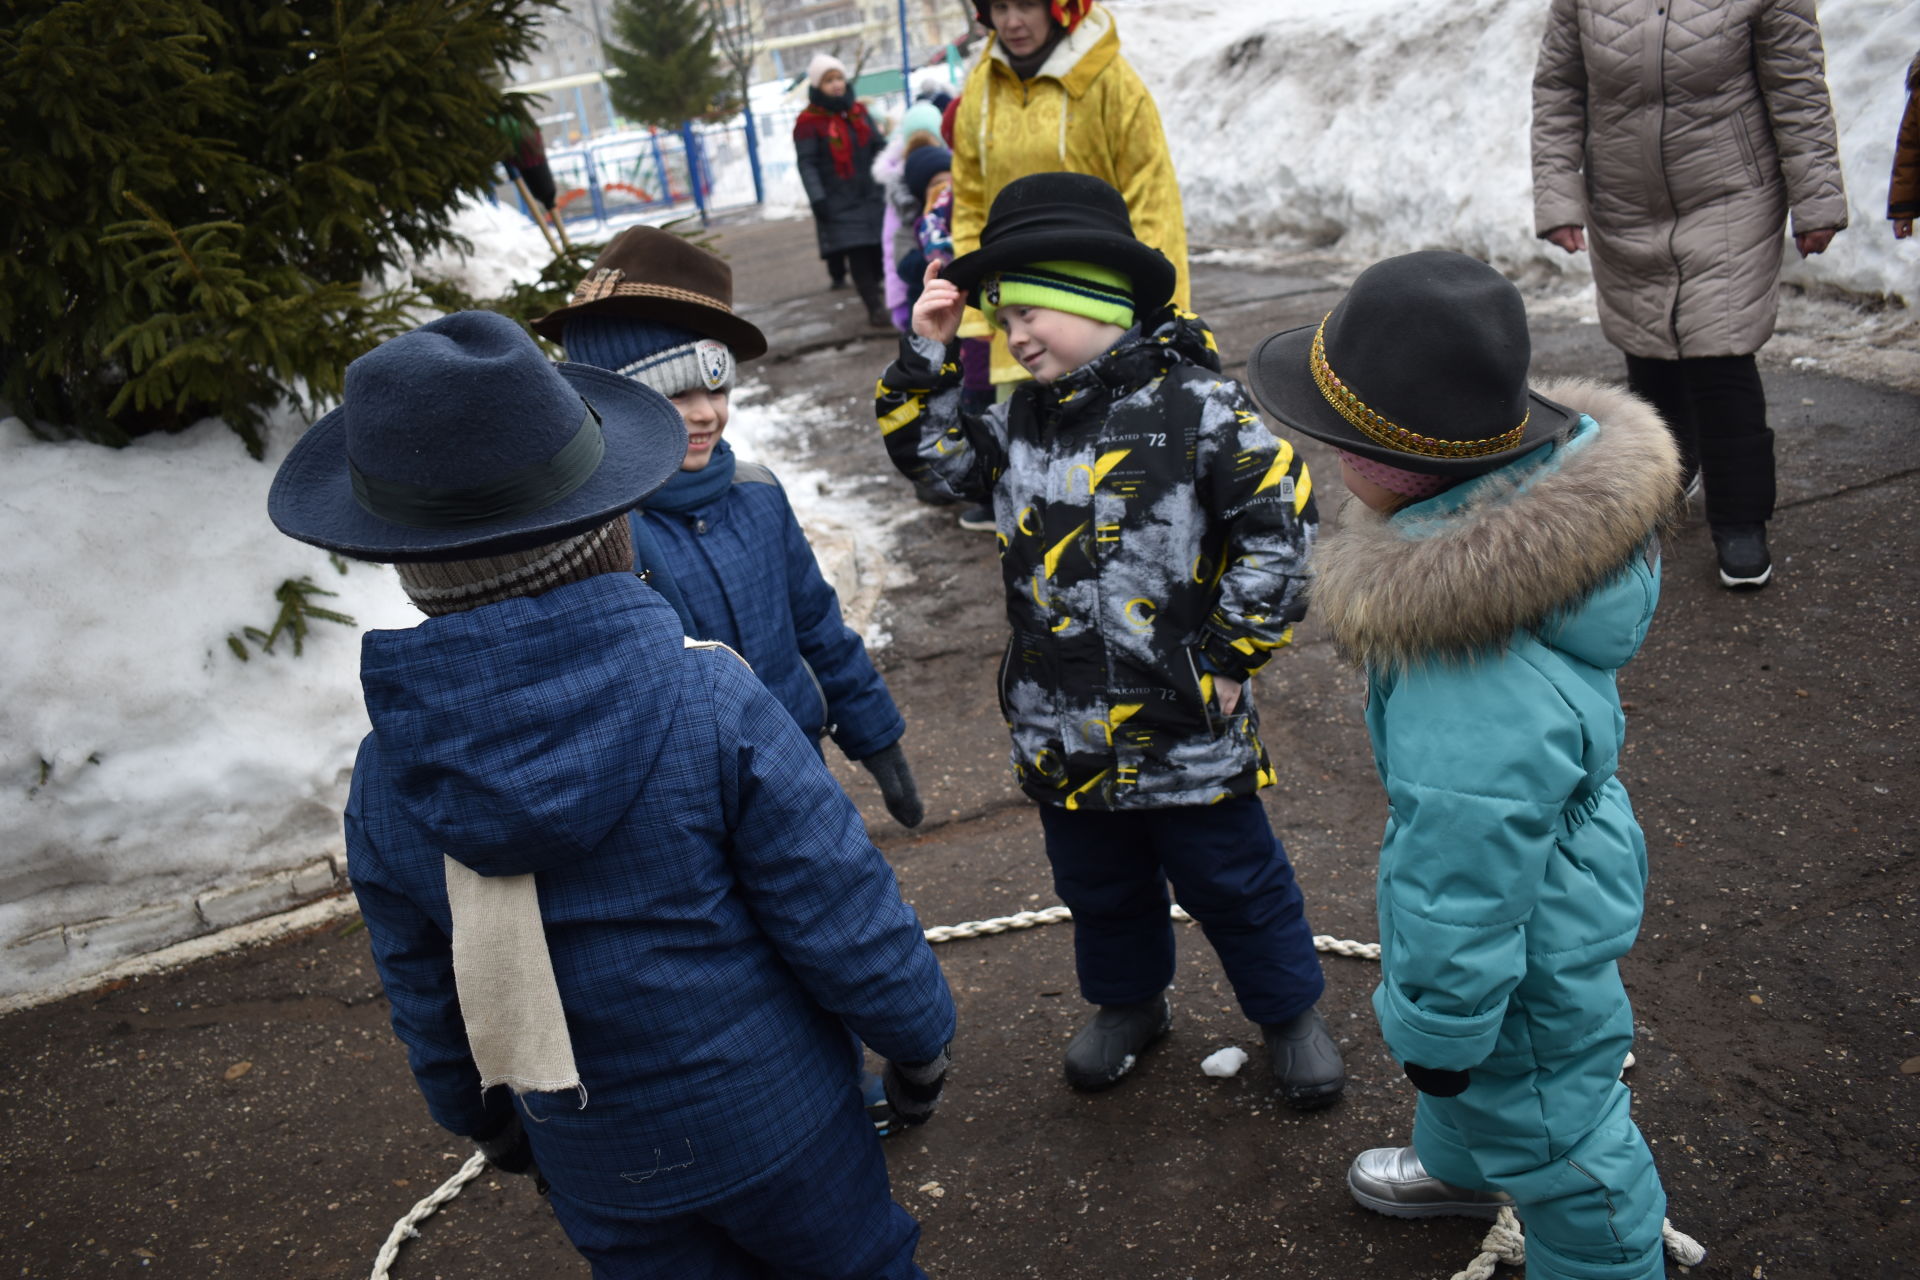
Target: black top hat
649,274
1422,366
1063,217
460,440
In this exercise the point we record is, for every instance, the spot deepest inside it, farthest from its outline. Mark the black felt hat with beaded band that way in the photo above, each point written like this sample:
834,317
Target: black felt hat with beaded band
1422,366
648,274
1063,218
461,440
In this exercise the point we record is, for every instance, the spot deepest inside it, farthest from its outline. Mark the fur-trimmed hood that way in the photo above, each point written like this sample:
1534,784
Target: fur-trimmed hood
1460,572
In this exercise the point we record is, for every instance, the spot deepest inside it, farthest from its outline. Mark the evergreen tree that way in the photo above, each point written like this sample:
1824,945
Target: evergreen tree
669,71
201,195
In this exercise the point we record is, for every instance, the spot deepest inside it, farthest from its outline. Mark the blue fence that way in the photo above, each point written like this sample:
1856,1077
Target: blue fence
700,168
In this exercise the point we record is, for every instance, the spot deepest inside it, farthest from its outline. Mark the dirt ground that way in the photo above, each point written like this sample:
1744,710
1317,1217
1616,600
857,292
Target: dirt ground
252,1115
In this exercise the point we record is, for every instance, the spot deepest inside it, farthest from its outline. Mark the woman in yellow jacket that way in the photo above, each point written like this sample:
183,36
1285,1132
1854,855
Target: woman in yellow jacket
1051,93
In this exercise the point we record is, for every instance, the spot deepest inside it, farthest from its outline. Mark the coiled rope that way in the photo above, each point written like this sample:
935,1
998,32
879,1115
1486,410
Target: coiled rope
1505,1245
1504,1242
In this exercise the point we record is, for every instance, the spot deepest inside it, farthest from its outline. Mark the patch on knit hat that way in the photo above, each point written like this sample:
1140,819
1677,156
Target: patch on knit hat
1078,288
665,357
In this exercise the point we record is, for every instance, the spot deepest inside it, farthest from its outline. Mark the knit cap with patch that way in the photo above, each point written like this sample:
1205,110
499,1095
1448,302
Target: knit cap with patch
665,357
1078,288
449,586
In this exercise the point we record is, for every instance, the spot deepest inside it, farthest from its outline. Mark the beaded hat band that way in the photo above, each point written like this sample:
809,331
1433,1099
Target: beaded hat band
1382,432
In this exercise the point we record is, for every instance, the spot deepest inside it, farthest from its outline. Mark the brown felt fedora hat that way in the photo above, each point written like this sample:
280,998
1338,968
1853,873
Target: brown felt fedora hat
648,274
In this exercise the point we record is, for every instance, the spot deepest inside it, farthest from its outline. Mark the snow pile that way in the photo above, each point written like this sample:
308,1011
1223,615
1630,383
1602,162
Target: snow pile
145,764
508,249
1226,1063
157,786
1384,126
853,539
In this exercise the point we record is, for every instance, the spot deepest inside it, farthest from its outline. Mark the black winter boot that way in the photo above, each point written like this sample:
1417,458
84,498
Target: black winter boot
1306,1062
1104,1050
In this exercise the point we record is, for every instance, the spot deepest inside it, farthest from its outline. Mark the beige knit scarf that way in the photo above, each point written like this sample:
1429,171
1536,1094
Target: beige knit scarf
516,1027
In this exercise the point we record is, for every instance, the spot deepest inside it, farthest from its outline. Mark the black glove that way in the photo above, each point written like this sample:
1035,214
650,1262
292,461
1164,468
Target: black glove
913,1088
1441,1084
889,768
508,1149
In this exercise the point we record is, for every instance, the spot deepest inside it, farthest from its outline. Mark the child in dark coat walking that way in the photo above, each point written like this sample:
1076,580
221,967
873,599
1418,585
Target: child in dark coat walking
1499,568
1153,539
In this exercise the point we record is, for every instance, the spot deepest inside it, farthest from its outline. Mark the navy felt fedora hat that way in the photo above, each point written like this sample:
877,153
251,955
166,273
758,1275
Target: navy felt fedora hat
1063,217
1422,366
460,439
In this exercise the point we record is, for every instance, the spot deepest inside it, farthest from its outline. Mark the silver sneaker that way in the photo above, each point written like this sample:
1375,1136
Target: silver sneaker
1390,1180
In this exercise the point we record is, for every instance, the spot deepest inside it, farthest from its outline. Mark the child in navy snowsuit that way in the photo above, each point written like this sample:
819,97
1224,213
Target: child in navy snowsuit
599,864
719,539
1499,568
1153,537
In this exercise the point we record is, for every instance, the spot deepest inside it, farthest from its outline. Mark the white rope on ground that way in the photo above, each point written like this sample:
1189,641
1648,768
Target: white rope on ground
1504,1242
404,1231
1506,1246
1053,915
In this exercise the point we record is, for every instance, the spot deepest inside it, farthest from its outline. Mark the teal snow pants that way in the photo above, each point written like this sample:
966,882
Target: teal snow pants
1556,1137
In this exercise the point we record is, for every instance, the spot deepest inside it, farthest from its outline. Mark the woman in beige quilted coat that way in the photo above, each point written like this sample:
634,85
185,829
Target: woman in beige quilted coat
1675,136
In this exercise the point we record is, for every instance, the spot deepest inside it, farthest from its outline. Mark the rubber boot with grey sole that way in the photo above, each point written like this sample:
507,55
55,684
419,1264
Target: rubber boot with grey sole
1306,1062
1104,1050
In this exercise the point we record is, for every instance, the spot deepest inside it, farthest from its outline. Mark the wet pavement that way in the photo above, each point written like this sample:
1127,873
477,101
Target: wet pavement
252,1115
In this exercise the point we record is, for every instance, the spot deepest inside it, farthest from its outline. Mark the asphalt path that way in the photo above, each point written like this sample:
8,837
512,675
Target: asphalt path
252,1115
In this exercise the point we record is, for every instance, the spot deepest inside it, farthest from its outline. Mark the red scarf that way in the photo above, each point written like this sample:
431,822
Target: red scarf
843,131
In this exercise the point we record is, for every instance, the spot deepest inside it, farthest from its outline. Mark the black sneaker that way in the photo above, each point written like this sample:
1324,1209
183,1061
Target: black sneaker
933,495
1104,1050
1744,559
1306,1062
979,519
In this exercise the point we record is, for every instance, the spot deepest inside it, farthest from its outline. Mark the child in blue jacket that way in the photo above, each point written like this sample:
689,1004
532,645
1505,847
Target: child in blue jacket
719,539
599,864
1498,569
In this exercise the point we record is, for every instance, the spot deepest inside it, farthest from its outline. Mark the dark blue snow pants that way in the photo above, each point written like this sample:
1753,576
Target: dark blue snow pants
826,1214
1227,869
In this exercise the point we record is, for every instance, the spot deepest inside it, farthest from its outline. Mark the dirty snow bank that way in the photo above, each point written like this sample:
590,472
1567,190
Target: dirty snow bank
1376,127
153,786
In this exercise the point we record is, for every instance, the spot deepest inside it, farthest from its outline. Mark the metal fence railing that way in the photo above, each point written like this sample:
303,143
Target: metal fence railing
702,167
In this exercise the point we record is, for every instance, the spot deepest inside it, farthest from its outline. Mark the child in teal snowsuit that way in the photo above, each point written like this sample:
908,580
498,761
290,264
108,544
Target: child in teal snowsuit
1500,567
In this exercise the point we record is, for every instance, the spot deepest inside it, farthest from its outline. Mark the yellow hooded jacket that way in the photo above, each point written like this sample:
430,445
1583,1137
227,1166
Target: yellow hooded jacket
1085,111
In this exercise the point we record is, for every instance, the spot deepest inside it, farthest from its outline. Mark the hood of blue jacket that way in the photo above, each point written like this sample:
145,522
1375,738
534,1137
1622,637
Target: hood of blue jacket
496,730
1558,543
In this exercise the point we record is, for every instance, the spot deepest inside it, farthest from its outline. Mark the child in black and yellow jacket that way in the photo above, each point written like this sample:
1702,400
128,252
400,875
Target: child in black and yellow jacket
1154,537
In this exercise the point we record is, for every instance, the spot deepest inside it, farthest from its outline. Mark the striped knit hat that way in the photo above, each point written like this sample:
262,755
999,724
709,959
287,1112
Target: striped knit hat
662,356
1078,288
449,586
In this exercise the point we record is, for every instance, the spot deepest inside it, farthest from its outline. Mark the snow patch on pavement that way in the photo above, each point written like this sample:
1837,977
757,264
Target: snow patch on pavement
1226,1063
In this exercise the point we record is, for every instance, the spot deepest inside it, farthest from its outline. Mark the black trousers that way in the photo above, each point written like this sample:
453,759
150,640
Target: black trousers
864,264
836,265
1717,411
